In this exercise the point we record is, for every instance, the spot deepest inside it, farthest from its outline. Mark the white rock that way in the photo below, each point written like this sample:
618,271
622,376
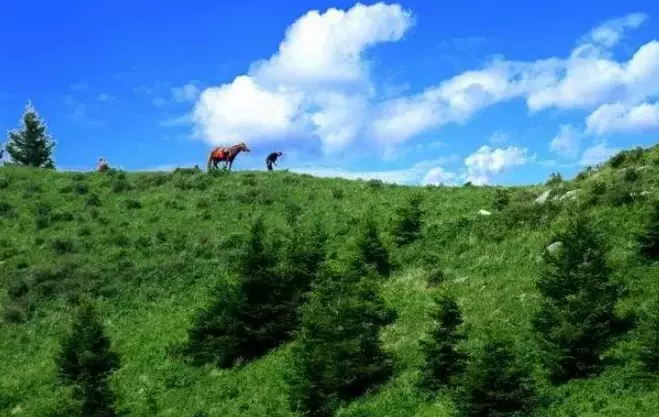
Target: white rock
543,197
554,247
484,212
572,194
643,168
644,193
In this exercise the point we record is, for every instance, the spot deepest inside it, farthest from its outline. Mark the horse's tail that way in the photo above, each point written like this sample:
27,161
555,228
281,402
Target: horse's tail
210,160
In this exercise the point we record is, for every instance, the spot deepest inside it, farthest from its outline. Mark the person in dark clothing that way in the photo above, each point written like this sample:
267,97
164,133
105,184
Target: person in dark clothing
272,160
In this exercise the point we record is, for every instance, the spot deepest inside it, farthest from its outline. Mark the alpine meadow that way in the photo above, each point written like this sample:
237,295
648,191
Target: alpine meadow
269,294
244,209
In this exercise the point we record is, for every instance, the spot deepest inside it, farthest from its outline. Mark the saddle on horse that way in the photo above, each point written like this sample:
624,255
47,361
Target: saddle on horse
219,153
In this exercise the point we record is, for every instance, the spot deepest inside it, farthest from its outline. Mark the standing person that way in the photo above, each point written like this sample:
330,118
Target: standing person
272,160
102,165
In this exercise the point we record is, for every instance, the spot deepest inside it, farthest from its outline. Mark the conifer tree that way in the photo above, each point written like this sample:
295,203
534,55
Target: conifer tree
31,145
649,241
496,384
337,355
576,321
263,311
371,249
408,222
86,362
442,361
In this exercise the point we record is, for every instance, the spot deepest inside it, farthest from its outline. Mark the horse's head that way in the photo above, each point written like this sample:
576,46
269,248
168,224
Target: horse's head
243,147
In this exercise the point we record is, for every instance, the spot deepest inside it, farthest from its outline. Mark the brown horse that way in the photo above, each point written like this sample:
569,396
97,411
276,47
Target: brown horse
225,154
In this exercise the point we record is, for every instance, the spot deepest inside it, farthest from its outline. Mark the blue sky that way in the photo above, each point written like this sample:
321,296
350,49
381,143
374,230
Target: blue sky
412,92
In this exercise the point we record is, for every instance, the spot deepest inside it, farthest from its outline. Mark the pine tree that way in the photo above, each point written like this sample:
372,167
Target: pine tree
576,321
263,311
649,241
338,355
442,360
371,249
649,339
86,363
496,384
31,145
408,222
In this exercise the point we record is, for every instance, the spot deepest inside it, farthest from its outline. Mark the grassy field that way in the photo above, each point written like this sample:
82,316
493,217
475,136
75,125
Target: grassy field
152,246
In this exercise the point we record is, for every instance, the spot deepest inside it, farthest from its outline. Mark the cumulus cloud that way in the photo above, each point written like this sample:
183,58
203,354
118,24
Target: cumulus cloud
317,82
319,85
486,162
566,142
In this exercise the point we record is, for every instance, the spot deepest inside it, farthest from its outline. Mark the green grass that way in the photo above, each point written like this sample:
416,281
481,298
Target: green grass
152,246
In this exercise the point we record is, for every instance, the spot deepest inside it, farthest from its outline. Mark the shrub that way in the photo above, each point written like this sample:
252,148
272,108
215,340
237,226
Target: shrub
497,384
131,204
119,185
501,199
407,226
442,361
93,200
630,175
62,246
649,241
86,361
576,321
6,210
435,277
649,340
4,183
80,188
554,179
618,159
338,354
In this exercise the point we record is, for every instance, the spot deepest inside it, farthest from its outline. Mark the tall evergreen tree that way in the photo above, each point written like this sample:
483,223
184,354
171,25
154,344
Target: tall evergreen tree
31,145
86,363
408,222
338,355
496,384
372,251
442,361
263,311
576,321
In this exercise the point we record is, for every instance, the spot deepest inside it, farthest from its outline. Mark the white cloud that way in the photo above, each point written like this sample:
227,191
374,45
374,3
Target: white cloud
499,138
318,85
486,162
317,82
620,118
438,176
186,93
566,142
596,154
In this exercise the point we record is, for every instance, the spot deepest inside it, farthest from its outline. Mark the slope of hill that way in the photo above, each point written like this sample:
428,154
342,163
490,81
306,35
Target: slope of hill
152,246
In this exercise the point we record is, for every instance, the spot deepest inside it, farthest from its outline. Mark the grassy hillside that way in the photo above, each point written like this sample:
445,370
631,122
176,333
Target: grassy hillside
152,246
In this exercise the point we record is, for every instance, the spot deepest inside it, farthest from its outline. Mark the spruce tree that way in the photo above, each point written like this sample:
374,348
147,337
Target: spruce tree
408,222
576,321
372,251
496,384
649,241
86,362
442,361
31,145
263,310
337,355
